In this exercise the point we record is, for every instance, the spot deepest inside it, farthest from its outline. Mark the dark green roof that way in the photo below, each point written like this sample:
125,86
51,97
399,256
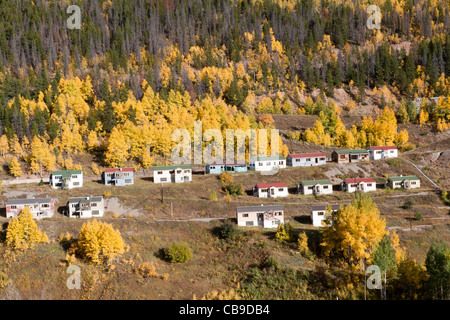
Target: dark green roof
180,166
403,178
314,182
265,158
66,173
351,151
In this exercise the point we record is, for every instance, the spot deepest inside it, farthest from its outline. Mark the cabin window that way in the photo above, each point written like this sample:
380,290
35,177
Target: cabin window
13,207
163,179
322,159
320,213
310,188
74,176
263,190
245,215
178,171
186,171
354,185
297,160
369,184
342,156
308,159
260,164
325,187
127,180
212,167
249,223
93,204
413,182
267,163
281,162
95,212
75,183
280,189
275,222
45,205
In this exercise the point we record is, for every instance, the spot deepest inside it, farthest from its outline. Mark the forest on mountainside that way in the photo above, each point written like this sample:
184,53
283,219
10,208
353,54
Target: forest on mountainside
138,69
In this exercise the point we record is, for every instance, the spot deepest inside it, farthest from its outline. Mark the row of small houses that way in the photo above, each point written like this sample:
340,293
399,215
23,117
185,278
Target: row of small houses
87,207
271,216
318,187
68,179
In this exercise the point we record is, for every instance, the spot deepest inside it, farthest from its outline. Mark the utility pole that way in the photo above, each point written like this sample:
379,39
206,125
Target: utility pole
171,210
162,192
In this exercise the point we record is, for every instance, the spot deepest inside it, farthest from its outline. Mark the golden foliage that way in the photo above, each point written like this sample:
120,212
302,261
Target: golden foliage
23,233
99,242
352,233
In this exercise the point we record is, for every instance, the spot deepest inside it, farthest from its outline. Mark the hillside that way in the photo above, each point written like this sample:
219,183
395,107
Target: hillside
116,82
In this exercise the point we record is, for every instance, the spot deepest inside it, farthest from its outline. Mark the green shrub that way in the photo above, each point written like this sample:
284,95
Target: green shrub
418,216
393,162
234,189
213,195
407,205
445,197
227,230
178,253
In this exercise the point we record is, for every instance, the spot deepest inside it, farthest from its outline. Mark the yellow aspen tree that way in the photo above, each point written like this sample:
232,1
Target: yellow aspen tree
423,117
146,158
25,144
68,163
23,233
16,147
14,168
4,145
352,233
92,142
117,151
99,242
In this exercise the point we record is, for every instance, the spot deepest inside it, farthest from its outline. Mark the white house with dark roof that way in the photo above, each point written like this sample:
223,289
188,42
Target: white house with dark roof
405,182
318,213
380,152
306,159
307,187
39,207
66,179
85,207
359,184
267,163
176,173
266,216
271,190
